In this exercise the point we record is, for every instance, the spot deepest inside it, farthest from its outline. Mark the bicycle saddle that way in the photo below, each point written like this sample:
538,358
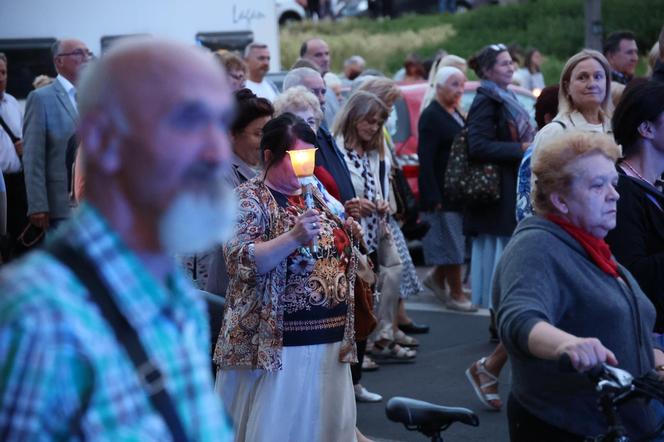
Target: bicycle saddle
414,413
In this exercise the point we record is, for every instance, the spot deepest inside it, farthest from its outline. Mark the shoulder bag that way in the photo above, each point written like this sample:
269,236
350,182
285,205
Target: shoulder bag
469,182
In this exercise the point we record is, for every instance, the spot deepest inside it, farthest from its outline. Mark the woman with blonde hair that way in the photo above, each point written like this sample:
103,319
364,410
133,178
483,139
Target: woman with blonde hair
387,90
584,103
359,135
235,67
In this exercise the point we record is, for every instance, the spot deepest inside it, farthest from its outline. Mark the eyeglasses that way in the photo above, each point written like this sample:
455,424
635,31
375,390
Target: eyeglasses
80,53
498,47
318,91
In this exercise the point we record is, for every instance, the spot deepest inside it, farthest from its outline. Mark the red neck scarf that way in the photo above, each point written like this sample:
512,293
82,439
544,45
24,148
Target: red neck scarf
597,248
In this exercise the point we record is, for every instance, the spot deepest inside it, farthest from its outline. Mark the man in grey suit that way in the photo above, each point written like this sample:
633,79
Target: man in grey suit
50,122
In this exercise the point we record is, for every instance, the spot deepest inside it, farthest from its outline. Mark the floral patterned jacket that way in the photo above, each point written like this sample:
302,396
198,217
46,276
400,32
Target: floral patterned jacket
252,332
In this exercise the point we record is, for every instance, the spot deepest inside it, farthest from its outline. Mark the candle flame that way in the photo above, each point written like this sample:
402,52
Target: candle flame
303,161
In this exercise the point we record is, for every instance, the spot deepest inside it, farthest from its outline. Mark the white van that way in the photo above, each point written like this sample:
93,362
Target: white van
28,28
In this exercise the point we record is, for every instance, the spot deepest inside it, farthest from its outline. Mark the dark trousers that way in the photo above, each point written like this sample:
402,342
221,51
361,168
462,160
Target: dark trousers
524,427
356,369
17,204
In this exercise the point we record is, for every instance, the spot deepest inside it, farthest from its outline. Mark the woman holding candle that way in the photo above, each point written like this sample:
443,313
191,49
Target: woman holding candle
287,339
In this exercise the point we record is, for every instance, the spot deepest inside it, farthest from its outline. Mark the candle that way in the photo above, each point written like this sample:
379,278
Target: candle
303,161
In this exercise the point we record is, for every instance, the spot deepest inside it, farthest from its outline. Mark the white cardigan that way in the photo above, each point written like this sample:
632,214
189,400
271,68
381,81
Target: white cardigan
374,160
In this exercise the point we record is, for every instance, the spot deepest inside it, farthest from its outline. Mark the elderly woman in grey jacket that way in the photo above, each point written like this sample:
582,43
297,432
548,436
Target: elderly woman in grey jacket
560,291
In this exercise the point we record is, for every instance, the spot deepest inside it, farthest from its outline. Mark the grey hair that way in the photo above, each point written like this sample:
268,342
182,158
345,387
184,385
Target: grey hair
297,76
298,98
355,59
55,48
3,57
252,46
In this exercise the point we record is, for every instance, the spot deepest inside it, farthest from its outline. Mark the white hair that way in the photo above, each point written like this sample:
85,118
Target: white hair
354,59
331,80
296,77
251,46
444,74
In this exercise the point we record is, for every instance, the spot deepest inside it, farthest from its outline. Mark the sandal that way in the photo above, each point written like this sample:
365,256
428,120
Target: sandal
393,351
490,400
369,364
404,340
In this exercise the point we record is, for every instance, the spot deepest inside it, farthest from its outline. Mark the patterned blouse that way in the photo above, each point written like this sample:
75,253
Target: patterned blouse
252,334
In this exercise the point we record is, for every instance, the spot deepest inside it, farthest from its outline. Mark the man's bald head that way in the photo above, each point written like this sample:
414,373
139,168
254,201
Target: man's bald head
317,51
141,75
154,126
69,57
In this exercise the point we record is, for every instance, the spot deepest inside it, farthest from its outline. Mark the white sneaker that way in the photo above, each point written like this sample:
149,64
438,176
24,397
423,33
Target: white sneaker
460,306
438,291
364,395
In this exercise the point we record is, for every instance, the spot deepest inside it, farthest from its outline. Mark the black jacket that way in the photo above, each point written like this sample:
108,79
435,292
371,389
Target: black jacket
330,158
658,72
436,131
637,242
492,138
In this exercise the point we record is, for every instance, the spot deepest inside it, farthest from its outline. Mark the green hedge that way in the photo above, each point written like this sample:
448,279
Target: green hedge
556,27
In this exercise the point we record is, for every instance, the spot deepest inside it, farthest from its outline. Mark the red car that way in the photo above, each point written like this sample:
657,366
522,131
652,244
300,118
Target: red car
408,115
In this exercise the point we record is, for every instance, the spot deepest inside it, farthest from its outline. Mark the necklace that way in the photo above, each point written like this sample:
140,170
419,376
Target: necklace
634,171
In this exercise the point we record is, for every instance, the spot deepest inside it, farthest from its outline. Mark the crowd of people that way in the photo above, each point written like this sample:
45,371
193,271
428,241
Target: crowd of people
182,174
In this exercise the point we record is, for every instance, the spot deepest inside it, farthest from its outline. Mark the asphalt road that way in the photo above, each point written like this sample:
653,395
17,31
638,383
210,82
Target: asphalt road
453,343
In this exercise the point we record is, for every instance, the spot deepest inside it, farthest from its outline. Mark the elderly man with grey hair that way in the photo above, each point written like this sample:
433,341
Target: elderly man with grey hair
50,120
328,154
353,67
318,51
257,58
103,337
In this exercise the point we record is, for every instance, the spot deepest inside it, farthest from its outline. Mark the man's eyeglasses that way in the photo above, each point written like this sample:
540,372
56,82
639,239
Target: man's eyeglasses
498,47
80,53
318,91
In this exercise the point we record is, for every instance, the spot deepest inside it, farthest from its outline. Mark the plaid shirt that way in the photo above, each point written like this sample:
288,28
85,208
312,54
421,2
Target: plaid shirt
64,376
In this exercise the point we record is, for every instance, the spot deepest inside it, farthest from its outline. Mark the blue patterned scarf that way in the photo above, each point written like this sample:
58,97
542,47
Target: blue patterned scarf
515,110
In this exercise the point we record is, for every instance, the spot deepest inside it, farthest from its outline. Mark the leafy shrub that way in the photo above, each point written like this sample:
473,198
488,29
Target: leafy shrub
555,27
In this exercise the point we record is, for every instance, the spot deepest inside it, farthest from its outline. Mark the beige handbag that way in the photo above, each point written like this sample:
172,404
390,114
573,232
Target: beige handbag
388,255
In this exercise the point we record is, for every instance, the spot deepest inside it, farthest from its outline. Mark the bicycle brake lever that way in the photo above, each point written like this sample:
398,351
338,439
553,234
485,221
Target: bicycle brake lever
622,378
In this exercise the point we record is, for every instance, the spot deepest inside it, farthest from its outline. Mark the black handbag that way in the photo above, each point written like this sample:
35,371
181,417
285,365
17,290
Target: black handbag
469,182
407,206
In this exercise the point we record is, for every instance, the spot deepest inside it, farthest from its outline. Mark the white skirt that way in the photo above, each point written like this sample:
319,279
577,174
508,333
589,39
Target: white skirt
310,399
